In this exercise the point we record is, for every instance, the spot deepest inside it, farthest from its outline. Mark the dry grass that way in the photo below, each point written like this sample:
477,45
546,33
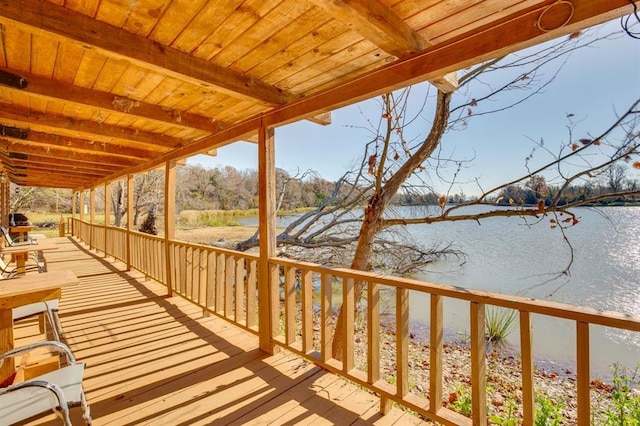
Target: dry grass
218,234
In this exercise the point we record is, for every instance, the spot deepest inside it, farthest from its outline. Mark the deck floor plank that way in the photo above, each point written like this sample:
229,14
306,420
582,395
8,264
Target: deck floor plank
156,360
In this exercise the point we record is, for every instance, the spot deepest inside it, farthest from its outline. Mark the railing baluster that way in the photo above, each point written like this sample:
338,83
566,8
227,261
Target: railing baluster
373,332
436,341
228,286
220,264
290,304
306,287
526,345
252,285
478,365
239,296
325,326
211,282
183,271
202,292
348,300
188,284
402,341
583,374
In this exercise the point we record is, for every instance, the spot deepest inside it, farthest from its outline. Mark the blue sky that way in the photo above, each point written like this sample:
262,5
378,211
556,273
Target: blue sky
596,83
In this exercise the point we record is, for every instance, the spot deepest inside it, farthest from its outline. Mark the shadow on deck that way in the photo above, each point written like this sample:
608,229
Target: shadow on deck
156,360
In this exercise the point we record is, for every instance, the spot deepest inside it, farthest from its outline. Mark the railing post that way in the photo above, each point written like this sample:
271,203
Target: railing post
402,341
478,365
268,288
435,353
583,374
169,219
526,345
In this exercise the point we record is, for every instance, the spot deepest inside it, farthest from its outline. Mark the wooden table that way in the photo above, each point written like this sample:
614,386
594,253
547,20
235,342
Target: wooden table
21,252
23,291
21,230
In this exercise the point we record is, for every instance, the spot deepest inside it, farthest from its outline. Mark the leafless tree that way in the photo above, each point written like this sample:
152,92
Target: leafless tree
396,161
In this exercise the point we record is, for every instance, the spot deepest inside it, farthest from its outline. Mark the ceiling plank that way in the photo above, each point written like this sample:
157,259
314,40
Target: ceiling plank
83,145
51,89
106,131
379,24
513,33
58,21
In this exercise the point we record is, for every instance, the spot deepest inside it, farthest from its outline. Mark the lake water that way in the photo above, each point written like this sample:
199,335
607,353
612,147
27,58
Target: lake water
505,255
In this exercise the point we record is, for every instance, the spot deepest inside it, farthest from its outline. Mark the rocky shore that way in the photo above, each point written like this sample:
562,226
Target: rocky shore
555,389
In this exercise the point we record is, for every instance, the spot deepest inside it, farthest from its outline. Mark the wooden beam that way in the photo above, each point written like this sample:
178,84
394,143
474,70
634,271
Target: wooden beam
377,23
43,169
100,131
24,147
20,160
68,93
88,33
513,33
323,119
83,145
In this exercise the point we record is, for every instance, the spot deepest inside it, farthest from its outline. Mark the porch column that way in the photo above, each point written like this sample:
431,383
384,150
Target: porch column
107,213
129,218
82,203
268,289
92,215
92,206
5,203
169,219
74,206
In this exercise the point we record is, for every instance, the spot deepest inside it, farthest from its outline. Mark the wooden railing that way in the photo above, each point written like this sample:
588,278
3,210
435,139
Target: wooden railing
116,243
148,255
220,281
224,283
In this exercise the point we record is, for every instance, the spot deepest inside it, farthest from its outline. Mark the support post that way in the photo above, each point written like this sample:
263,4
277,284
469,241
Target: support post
268,297
83,202
169,219
92,217
107,213
74,207
129,218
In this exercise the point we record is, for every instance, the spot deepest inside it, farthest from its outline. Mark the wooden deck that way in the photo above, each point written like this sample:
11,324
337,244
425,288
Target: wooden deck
155,360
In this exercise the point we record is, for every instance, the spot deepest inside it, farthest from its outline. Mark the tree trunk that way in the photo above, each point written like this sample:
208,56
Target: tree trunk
373,212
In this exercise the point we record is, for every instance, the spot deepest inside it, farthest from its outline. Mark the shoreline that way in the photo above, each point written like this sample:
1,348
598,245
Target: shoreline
504,383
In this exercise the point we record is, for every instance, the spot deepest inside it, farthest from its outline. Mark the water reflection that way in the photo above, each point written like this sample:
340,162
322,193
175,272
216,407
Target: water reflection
507,257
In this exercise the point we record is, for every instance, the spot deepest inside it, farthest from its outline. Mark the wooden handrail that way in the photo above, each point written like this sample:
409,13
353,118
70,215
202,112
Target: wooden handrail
224,282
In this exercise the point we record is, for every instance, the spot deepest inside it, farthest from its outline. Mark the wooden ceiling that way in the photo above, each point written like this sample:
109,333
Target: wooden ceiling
91,90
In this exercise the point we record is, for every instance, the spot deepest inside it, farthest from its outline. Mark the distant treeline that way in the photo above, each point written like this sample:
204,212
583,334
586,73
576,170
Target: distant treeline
227,188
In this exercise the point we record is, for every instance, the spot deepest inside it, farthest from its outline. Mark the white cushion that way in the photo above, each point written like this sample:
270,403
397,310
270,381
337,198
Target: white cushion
27,402
35,309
